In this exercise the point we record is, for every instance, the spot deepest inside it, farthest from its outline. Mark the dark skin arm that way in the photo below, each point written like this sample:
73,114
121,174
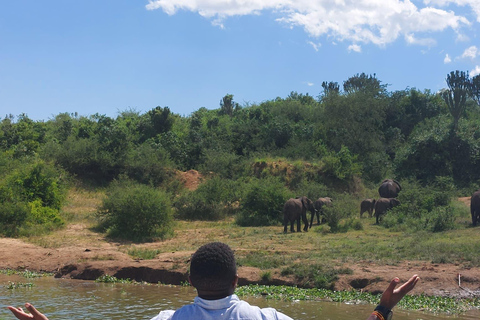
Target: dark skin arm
392,296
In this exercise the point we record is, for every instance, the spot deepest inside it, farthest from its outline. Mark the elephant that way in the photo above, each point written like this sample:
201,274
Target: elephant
389,188
319,203
296,209
384,204
475,207
367,205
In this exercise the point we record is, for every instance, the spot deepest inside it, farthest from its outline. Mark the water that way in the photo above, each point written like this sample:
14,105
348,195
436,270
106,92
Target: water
78,299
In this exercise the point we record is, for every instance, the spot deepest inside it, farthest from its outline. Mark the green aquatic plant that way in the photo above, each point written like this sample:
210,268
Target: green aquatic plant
434,304
26,273
111,279
17,285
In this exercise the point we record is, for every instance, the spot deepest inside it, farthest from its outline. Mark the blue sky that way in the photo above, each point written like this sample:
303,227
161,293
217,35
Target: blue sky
108,56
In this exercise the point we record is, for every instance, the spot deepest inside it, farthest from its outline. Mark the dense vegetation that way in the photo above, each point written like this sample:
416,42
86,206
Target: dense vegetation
253,157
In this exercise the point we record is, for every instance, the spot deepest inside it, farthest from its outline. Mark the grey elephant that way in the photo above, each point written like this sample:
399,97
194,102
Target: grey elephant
475,207
384,204
319,204
389,188
367,205
294,210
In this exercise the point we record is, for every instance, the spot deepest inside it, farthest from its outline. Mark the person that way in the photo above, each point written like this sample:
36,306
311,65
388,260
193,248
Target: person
213,273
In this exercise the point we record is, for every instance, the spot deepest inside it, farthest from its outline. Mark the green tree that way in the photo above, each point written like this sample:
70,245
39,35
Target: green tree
475,89
227,105
455,96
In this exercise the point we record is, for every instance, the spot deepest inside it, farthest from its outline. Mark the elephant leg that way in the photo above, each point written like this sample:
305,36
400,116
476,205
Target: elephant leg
318,218
305,221
311,220
370,213
292,223
298,225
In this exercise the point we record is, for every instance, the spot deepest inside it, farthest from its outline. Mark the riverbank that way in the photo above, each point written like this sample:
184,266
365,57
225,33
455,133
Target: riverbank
79,253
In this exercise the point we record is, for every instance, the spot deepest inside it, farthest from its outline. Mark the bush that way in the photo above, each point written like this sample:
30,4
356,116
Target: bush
423,208
263,203
212,200
136,212
12,216
36,181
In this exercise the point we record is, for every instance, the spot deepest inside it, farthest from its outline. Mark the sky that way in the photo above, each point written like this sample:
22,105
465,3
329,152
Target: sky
110,56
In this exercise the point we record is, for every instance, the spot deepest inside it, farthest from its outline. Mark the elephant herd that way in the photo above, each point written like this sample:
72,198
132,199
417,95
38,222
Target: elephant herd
295,210
388,192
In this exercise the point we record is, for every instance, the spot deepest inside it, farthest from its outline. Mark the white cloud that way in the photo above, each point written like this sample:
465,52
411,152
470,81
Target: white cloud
358,21
428,42
355,48
474,4
315,46
447,59
475,71
310,84
470,53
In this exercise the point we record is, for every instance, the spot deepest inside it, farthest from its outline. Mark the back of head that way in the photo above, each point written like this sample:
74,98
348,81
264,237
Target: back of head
213,267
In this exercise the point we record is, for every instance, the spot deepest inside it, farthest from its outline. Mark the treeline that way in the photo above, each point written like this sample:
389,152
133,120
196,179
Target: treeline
346,139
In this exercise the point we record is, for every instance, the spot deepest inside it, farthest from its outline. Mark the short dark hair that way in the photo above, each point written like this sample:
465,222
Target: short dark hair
213,267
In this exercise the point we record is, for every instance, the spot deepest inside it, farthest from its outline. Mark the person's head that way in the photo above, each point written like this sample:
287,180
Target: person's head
213,270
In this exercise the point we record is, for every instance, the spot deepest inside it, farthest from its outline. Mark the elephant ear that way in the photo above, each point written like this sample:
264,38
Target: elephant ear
304,202
399,186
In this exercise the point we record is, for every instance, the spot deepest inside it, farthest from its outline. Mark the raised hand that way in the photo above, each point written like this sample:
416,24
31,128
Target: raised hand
34,313
392,296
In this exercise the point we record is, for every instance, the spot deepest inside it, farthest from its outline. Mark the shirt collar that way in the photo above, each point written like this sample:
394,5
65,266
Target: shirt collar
216,304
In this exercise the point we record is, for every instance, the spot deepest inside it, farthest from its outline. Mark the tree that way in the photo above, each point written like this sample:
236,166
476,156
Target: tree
363,83
456,95
475,89
227,105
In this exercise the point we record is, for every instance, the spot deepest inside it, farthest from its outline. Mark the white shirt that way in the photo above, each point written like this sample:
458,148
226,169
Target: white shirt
230,308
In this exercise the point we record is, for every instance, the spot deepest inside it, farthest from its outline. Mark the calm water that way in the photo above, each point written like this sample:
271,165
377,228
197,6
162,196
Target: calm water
77,299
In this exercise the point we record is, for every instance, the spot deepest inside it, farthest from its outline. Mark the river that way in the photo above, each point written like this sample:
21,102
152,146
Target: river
78,299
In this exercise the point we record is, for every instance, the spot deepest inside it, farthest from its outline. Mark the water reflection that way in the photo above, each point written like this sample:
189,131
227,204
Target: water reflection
77,299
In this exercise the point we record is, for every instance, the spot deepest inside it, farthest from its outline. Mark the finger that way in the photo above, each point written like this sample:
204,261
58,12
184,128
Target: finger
392,284
18,312
33,311
410,284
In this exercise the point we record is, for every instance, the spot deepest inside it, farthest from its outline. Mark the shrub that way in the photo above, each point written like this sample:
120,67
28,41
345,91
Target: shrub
315,275
12,216
263,203
212,200
136,212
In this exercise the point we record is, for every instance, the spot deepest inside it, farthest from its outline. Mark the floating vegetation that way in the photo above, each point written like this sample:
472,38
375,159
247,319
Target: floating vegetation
17,285
111,279
26,274
410,302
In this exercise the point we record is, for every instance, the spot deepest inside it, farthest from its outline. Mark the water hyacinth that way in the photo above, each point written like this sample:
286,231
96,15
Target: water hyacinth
432,304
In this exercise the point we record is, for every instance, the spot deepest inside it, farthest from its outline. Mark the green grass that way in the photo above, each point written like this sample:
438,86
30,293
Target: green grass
143,254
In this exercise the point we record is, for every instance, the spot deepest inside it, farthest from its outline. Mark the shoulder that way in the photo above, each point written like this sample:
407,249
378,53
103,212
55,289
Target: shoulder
266,313
164,315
